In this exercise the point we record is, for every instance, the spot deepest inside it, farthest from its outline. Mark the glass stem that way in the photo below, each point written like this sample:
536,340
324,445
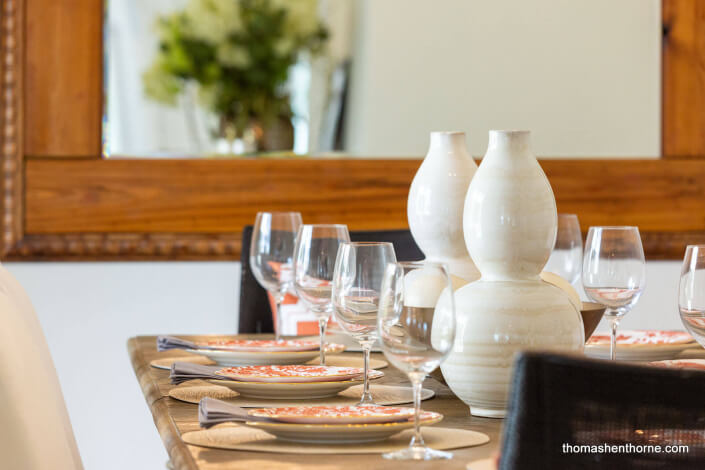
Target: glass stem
366,395
322,323
416,379
614,324
278,299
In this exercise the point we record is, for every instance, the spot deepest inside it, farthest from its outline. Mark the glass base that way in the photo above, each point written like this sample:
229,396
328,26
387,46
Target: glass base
418,453
366,400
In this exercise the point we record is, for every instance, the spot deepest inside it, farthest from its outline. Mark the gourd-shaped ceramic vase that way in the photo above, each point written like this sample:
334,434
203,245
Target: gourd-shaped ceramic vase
510,224
435,205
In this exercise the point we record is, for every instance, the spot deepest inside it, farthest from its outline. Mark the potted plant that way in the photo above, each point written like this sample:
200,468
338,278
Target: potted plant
237,55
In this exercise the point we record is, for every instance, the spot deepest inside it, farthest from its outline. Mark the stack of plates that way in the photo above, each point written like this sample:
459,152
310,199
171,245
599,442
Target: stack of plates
337,424
641,345
683,364
262,352
295,382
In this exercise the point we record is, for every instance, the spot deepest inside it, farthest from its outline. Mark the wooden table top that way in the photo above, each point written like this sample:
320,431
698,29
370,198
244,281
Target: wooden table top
174,418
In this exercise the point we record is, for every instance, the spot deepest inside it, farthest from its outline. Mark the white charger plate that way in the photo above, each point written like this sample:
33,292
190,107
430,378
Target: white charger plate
340,433
249,358
292,391
637,351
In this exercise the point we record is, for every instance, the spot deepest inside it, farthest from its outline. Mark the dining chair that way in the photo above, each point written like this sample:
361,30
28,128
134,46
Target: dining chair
255,311
35,431
559,403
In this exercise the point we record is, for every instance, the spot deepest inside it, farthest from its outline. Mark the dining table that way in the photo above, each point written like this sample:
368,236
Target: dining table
173,418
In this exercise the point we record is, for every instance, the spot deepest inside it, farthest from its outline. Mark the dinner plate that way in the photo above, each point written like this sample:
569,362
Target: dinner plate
340,360
263,345
290,373
292,391
340,433
682,363
641,345
249,358
336,414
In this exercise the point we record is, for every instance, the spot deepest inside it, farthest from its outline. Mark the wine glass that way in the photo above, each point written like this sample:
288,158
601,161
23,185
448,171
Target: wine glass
314,262
272,253
357,280
691,292
416,325
614,272
567,255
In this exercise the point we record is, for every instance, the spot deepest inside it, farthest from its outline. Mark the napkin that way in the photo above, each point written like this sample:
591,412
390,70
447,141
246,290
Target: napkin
183,371
164,343
212,412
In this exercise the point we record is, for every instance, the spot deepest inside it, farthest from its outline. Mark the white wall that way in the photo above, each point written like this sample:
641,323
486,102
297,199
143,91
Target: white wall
583,75
89,310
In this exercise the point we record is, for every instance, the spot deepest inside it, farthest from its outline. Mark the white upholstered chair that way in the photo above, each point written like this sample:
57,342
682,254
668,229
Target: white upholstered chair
35,431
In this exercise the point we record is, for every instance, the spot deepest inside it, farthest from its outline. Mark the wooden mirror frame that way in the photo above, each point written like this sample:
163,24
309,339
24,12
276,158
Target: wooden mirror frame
63,201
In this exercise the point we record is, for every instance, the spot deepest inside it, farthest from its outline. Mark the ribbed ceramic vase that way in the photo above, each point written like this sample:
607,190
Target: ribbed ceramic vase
436,200
510,223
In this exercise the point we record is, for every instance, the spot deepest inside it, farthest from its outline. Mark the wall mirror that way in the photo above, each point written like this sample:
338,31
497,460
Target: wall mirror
200,78
607,88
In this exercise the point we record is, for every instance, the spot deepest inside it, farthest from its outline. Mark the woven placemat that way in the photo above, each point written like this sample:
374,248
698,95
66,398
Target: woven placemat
194,390
234,437
332,360
483,464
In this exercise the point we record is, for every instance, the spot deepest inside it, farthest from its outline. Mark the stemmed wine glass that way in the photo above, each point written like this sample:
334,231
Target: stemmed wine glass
416,325
314,262
567,255
691,292
357,280
272,253
614,272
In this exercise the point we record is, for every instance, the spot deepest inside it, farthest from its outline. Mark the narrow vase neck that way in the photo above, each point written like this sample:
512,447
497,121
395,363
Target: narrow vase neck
447,143
514,144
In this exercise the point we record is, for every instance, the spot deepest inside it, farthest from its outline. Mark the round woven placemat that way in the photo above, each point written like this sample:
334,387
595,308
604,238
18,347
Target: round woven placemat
194,390
235,437
332,360
483,464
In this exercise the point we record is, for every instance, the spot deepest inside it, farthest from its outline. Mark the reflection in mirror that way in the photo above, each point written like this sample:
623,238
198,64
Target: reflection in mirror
373,78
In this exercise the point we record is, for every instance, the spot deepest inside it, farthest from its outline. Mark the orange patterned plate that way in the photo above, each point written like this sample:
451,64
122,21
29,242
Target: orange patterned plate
234,357
336,414
641,345
291,373
262,345
644,338
340,432
293,390
682,364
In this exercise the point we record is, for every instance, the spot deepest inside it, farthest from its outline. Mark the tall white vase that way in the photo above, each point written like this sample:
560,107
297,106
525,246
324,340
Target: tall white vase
436,200
510,225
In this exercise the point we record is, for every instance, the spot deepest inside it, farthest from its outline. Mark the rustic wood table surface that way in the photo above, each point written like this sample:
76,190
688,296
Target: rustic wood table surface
173,418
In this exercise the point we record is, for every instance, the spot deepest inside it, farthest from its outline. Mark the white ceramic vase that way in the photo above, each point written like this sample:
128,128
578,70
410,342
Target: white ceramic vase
510,225
436,200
